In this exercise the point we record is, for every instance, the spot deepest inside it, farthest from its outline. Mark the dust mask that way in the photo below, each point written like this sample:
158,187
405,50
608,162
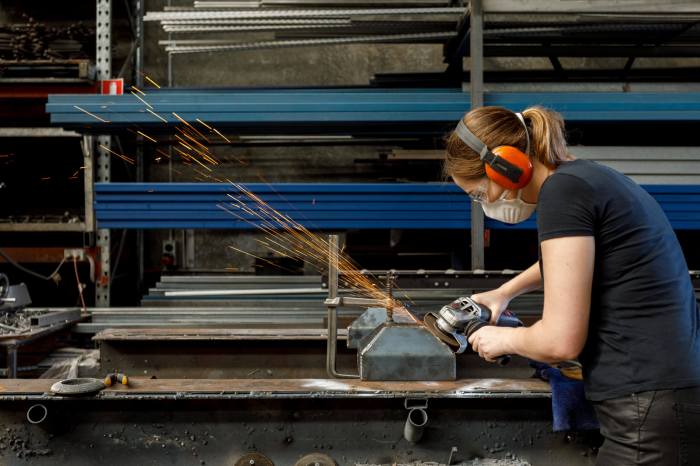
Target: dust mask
508,210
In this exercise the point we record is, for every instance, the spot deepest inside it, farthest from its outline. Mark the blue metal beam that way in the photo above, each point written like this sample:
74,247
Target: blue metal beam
324,206
234,108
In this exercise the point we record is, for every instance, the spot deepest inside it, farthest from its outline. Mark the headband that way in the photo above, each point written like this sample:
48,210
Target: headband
479,147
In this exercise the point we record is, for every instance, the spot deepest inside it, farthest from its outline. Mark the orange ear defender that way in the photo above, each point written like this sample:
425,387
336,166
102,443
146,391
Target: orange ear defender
507,166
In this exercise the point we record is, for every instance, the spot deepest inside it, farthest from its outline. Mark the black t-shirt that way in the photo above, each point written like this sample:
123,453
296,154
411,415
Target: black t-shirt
644,330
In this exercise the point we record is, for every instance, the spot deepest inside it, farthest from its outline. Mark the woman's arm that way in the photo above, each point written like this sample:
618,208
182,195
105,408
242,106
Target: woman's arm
561,333
528,280
497,300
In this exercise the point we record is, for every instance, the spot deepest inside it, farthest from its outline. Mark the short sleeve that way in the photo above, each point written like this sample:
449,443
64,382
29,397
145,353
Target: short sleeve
566,207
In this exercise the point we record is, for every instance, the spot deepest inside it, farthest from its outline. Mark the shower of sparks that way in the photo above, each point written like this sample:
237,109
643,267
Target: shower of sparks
121,156
163,153
156,115
259,258
288,238
147,78
283,235
186,123
91,114
141,99
146,136
187,156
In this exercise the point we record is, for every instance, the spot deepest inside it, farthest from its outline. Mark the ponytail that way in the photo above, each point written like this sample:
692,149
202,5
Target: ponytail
547,136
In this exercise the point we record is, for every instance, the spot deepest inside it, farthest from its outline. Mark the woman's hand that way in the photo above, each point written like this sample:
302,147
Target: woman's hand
496,300
491,342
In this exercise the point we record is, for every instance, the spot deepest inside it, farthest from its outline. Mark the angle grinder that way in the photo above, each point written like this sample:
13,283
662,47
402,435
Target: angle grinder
456,322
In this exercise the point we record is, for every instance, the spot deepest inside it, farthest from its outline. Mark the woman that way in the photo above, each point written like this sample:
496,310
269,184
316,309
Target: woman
617,294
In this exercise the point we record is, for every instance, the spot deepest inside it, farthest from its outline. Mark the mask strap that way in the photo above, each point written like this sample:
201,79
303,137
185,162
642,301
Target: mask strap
527,133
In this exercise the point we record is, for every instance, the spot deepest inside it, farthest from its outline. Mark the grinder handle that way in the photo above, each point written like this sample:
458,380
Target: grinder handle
476,325
508,319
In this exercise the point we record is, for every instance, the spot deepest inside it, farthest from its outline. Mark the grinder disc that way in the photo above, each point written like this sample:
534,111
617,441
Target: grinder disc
430,322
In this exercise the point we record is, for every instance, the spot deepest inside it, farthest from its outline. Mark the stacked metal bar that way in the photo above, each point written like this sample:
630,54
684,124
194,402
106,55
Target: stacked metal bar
253,110
325,206
299,26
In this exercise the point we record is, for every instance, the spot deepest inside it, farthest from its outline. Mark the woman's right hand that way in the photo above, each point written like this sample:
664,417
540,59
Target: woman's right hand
496,300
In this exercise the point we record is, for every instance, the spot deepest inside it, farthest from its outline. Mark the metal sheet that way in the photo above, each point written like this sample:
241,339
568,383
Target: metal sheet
209,334
295,388
364,325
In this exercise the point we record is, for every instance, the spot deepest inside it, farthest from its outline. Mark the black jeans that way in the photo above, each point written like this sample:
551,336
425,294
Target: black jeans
660,428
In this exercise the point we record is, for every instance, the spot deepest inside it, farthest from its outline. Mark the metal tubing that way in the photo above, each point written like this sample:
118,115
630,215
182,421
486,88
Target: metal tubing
332,342
254,292
36,414
415,425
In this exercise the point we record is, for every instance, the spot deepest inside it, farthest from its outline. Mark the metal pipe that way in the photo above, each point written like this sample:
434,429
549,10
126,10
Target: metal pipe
332,342
36,414
258,292
415,424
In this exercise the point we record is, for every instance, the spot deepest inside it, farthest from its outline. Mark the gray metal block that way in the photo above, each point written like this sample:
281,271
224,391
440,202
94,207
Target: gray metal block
405,352
364,325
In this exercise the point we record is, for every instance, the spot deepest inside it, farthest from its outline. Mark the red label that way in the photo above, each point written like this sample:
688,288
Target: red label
113,86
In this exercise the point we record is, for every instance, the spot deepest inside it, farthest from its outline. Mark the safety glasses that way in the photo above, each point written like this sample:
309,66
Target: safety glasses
479,193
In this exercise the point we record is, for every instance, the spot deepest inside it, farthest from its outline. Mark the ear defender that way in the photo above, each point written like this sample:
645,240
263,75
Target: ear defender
507,166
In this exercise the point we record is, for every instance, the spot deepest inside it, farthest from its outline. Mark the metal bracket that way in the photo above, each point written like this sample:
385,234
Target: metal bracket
450,458
335,301
415,403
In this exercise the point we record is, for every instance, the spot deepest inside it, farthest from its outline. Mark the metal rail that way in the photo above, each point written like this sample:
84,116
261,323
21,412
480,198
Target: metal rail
307,13
275,44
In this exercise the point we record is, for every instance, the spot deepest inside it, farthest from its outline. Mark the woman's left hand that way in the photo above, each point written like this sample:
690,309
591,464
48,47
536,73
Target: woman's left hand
491,341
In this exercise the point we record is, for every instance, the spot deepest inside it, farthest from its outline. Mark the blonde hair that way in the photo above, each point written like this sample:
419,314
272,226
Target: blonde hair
498,126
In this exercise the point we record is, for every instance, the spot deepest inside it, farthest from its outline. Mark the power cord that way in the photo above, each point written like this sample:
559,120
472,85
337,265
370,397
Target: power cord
80,285
31,272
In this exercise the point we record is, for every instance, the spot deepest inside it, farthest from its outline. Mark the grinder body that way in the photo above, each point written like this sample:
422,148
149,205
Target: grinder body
455,322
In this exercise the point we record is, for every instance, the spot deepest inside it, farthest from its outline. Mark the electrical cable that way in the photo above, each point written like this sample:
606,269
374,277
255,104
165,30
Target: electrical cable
31,272
80,285
112,273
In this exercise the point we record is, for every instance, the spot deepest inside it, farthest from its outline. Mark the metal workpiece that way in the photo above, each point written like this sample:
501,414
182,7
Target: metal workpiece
365,324
405,352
